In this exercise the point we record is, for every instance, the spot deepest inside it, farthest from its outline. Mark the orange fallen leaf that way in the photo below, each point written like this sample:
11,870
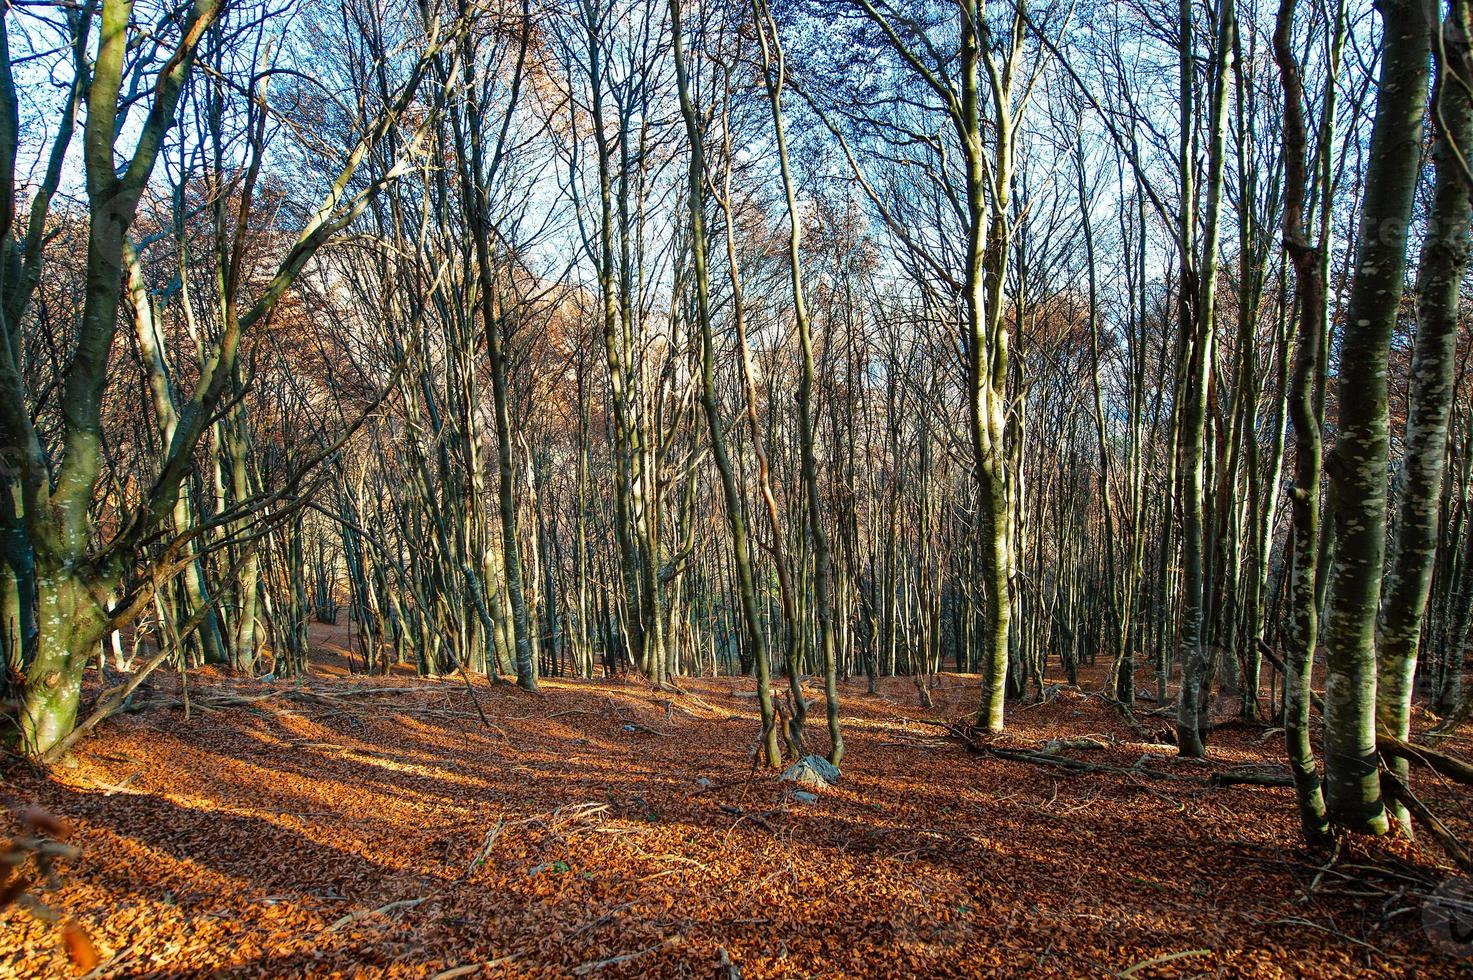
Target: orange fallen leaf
42,819
79,947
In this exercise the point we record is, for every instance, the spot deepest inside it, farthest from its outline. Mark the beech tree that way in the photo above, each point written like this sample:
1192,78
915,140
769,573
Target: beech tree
773,340
1440,274
62,558
1357,464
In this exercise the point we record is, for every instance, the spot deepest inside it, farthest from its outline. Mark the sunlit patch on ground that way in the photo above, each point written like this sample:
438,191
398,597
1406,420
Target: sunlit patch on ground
602,828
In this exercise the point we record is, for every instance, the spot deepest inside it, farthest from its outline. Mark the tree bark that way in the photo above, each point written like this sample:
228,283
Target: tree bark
1440,274
1357,465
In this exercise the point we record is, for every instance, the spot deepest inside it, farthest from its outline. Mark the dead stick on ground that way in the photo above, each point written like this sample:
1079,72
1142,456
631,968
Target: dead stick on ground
351,917
1249,778
587,968
1130,720
1397,790
470,968
1059,761
485,851
1334,932
1158,960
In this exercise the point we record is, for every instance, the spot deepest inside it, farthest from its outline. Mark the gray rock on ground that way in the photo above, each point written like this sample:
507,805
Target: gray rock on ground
812,772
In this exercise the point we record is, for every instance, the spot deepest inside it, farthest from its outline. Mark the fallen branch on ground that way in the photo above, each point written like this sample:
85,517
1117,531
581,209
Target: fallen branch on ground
107,705
352,917
472,968
587,968
1159,960
1395,789
1441,763
488,842
1131,722
1250,777
1057,761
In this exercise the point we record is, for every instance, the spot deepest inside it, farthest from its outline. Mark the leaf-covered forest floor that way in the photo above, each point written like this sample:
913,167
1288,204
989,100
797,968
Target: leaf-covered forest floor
351,826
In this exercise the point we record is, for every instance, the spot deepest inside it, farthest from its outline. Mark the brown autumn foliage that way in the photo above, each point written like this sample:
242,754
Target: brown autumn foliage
29,863
357,827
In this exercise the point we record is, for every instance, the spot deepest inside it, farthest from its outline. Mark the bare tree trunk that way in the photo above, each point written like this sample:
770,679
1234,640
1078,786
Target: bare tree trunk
735,517
1305,495
773,69
1357,465
1439,281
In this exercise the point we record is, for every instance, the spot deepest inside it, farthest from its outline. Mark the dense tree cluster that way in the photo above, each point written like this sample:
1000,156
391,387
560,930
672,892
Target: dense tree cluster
829,337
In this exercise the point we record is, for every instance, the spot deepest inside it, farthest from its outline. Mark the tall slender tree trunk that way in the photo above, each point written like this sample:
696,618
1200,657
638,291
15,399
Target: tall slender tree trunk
1357,465
1439,281
1199,306
736,519
773,72
1305,495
